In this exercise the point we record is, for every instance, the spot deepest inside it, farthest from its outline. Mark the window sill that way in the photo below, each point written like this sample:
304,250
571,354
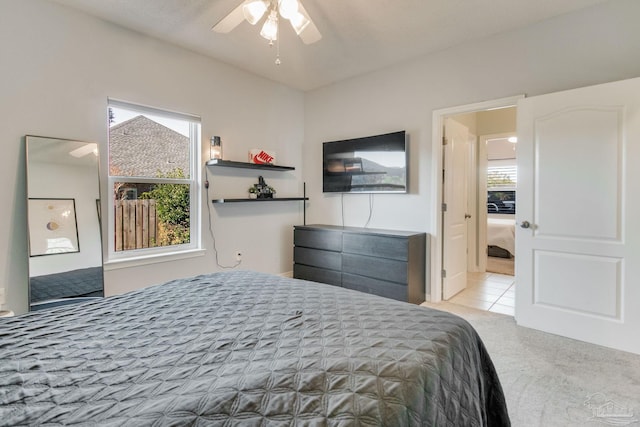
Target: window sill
152,259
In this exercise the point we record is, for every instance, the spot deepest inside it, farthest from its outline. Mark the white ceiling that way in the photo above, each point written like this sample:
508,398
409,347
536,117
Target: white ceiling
359,36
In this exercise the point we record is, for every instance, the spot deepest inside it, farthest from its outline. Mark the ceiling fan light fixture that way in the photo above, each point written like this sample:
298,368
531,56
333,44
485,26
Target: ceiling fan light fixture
254,11
288,8
85,149
299,22
270,28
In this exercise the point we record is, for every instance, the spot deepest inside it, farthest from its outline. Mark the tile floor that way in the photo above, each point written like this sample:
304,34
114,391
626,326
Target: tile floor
488,291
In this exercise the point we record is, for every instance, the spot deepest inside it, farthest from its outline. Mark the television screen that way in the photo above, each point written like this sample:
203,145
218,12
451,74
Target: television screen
372,164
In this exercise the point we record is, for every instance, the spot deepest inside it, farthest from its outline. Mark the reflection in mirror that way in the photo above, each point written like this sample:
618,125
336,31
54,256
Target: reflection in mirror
65,246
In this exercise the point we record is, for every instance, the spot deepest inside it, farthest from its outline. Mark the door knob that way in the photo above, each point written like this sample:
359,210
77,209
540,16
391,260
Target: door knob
525,224
467,216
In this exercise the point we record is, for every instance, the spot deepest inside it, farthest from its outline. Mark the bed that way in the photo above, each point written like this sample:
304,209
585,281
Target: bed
250,349
501,233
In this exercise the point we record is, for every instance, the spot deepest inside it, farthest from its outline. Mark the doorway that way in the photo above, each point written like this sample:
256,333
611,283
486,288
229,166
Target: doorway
479,206
498,158
489,119
578,246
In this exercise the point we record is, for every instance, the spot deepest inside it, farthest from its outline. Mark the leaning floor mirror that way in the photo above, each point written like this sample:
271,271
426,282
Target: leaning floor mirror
65,245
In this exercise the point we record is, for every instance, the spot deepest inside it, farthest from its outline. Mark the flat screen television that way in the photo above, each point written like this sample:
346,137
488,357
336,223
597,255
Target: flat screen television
372,164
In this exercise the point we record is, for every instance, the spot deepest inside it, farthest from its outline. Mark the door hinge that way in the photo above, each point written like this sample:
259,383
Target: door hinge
444,273
444,207
445,140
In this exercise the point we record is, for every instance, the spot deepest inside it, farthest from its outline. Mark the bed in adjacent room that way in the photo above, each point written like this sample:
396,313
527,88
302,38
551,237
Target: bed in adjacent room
250,349
501,233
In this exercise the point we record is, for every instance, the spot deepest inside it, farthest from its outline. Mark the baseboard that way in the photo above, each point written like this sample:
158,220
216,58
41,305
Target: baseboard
288,274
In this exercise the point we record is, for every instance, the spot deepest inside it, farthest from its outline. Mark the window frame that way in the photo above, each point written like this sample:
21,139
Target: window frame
147,255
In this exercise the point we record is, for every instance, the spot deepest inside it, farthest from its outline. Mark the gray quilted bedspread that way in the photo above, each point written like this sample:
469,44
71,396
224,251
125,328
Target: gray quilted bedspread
246,349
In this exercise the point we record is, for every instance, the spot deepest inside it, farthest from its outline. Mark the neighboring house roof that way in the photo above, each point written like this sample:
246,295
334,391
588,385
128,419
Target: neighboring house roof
142,147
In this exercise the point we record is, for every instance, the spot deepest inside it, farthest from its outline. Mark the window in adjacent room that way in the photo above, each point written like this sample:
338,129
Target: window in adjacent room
502,176
153,201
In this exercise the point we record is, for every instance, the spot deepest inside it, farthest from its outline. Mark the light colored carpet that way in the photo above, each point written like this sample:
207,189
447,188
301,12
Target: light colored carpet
501,265
554,381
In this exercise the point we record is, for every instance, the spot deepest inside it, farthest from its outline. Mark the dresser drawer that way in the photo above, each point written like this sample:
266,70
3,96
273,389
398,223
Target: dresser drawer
379,268
316,274
377,246
375,286
317,258
321,239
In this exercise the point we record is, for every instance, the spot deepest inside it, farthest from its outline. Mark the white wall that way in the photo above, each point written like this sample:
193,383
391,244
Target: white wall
592,46
58,67
492,122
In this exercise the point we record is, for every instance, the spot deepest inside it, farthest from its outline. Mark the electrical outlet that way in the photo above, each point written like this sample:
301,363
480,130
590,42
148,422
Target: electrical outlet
238,256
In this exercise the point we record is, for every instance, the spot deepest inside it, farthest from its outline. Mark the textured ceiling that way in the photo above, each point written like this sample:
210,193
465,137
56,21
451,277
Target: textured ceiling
359,36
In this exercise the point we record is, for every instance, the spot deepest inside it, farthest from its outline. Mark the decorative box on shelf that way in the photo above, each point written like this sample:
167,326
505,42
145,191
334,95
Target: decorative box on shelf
260,156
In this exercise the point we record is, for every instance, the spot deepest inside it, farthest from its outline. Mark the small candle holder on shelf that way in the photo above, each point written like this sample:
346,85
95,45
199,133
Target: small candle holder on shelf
216,148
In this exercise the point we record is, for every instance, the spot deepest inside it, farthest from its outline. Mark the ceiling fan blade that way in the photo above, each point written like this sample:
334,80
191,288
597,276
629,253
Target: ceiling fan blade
310,34
229,22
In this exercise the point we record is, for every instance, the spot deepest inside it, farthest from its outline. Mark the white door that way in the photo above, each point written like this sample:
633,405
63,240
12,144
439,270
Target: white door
473,255
578,263
454,250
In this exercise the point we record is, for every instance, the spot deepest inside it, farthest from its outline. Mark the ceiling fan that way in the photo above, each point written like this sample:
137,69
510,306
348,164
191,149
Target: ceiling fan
254,10
85,149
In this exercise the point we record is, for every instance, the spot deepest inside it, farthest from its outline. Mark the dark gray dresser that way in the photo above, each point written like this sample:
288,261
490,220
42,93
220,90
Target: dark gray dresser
388,263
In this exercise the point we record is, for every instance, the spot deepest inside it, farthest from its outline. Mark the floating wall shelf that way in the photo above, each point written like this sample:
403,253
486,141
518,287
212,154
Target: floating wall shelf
245,165
275,199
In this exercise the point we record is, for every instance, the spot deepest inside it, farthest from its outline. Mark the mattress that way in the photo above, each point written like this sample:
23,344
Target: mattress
250,349
502,233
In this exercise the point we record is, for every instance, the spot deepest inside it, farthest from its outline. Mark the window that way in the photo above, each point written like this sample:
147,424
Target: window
154,201
502,178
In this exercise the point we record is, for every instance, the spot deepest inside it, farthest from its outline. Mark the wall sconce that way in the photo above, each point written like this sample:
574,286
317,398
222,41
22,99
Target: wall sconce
216,148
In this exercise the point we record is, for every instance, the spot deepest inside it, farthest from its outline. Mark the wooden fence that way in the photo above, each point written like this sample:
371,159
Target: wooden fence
136,225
